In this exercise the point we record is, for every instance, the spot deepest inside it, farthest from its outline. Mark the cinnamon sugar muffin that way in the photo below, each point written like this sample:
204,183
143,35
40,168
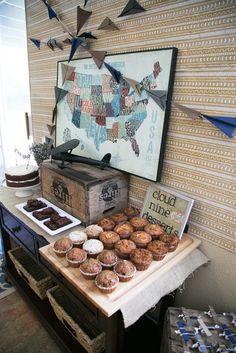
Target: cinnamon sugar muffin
154,230
158,249
124,247
107,258
124,230
93,231
125,270
106,224
170,240
138,223
141,258
141,238
90,268
109,238
131,212
119,218
107,281
61,246
75,257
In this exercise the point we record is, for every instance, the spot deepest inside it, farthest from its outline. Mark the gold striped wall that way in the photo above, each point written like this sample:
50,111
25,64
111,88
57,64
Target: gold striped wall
199,160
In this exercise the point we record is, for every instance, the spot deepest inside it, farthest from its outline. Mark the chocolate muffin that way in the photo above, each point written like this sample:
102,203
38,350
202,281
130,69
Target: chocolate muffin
75,257
107,281
158,249
141,238
93,231
107,258
90,268
131,212
124,230
109,238
170,240
119,218
138,223
62,246
106,224
125,270
154,230
141,258
124,247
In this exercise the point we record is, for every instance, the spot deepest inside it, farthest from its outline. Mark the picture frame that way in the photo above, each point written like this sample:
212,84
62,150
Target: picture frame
166,207
111,117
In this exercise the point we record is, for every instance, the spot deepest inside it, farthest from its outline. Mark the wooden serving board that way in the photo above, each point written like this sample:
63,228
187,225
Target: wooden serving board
110,303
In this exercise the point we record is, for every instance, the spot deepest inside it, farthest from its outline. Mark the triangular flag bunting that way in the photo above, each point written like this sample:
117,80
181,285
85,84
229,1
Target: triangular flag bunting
52,13
66,71
60,94
54,114
36,42
51,129
224,124
76,42
192,113
97,56
107,24
115,74
52,44
159,97
85,2
87,35
131,8
82,17
134,84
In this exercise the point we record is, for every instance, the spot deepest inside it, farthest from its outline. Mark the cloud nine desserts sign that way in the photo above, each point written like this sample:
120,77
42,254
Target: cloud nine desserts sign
166,207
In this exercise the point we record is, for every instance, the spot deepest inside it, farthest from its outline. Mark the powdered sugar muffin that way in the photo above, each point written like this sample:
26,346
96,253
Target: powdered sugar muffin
93,247
78,237
93,231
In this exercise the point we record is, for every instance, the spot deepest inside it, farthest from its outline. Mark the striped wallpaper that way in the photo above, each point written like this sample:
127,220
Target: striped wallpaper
199,160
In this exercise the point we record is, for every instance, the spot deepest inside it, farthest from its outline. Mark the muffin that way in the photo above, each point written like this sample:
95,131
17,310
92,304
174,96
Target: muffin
78,238
109,238
106,224
158,249
124,230
93,247
125,270
131,212
170,240
107,281
90,268
75,257
107,258
124,247
62,246
119,218
141,238
138,223
154,230
141,258
93,231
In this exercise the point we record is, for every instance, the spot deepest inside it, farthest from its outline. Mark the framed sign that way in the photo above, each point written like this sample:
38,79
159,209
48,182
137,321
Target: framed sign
128,119
167,208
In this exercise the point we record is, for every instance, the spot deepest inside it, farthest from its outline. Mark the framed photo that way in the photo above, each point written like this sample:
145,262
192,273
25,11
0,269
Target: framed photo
127,119
166,207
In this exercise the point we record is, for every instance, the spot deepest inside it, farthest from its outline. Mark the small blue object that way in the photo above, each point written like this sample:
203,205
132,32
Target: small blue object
51,13
224,123
183,332
115,73
76,42
36,42
229,334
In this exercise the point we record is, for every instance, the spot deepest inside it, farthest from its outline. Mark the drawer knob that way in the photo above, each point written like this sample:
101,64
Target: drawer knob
16,229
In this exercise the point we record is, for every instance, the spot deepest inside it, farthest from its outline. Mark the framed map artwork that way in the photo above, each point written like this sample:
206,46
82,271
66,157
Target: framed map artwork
128,119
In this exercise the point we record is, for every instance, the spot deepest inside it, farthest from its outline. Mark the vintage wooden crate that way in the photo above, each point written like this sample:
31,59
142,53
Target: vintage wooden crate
28,269
86,192
92,339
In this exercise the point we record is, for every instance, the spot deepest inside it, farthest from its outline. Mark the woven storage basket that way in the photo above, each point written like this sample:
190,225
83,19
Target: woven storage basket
76,323
28,269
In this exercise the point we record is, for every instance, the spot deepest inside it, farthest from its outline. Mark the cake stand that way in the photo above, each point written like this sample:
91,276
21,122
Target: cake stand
24,191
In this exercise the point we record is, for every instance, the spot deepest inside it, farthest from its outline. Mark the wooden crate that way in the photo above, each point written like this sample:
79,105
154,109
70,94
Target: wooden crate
92,339
86,192
28,269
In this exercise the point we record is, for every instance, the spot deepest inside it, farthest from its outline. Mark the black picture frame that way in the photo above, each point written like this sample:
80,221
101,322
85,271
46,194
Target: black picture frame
136,140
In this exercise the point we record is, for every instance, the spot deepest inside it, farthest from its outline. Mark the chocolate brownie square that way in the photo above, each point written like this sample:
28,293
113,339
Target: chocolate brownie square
33,205
51,225
44,214
62,221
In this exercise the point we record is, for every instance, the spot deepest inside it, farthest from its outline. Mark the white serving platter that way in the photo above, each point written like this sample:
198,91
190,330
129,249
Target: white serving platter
74,221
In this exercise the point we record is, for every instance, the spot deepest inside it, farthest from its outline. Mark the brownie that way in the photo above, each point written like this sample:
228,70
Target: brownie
51,225
54,216
62,221
34,204
44,214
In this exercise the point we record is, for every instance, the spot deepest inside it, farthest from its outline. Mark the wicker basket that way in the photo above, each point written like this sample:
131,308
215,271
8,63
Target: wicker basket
28,269
76,323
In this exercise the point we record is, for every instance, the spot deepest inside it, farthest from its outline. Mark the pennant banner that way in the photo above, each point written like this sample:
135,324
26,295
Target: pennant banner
115,74
131,8
134,84
67,70
107,24
76,42
59,93
82,17
51,129
36,42
159,97
97,56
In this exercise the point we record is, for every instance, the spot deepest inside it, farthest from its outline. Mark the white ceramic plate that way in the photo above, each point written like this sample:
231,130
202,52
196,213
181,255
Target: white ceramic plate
74,221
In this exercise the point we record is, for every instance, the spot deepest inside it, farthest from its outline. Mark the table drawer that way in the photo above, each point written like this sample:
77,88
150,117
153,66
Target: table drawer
18,231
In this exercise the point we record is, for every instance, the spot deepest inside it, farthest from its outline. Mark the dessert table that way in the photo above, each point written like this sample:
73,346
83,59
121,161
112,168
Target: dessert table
115,311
